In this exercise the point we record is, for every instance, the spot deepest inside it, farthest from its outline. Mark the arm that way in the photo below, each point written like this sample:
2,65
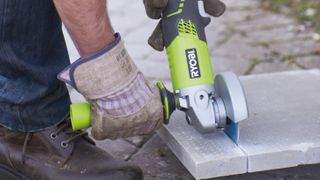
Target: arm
87,22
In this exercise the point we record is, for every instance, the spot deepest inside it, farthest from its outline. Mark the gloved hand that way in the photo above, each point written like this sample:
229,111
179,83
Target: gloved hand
122,102
154,9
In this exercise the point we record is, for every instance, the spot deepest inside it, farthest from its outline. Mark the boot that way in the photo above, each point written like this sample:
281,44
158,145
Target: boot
59,153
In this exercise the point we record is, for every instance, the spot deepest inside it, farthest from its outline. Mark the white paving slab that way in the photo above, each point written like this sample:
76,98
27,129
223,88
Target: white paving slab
283,129
284,125
205,156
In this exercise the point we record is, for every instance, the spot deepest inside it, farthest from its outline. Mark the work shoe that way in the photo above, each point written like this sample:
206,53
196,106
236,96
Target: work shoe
59,153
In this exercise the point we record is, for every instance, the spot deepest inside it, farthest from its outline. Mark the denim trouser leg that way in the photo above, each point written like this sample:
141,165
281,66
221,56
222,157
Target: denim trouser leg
32,52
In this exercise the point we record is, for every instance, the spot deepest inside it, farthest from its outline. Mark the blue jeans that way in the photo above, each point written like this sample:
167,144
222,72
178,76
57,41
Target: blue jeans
32,53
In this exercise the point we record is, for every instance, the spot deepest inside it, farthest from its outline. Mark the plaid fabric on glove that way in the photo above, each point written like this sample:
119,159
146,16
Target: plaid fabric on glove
128,100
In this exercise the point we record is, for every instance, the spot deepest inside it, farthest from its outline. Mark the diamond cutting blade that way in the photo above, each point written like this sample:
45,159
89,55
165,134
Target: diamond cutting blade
232,130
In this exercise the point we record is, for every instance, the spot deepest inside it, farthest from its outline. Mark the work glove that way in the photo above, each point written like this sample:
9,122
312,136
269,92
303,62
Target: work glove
154,10
122,102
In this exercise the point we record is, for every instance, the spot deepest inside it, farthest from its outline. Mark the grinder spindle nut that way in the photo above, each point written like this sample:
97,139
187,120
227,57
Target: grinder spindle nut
168,101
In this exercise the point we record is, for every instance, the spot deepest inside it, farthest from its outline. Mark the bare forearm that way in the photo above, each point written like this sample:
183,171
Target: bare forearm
87,23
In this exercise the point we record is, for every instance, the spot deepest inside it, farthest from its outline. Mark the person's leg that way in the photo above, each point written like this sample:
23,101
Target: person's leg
32,52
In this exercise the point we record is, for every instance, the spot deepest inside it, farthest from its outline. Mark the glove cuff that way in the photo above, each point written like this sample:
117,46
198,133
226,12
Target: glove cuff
103,73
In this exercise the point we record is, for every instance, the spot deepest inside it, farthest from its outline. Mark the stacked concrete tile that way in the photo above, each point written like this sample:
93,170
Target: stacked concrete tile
283,129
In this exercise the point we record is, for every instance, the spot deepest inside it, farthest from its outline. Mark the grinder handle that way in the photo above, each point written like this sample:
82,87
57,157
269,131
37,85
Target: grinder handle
177,10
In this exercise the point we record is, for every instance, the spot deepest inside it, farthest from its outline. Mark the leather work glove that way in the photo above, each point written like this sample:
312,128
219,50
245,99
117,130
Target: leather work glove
154,10
122,102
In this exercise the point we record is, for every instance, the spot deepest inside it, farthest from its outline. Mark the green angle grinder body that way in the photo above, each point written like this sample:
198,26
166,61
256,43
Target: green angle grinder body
209,103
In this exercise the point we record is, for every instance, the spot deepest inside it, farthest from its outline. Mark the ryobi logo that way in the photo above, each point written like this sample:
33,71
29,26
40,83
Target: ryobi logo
193,64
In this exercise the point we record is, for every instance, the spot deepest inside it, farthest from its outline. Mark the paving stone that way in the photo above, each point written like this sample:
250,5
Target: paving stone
158,162
239,48
140,34
241,4
127,17
216,31
115,6
75,96
309,172
271,34
263,21
269,67
284,124
138,141
205,156
120,148
235,15
139,51
309,61
237,65
158,70
294,47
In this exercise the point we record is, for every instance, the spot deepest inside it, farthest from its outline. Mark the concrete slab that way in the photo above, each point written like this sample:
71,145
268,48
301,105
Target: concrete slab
284,124
282,131
205,156
120,148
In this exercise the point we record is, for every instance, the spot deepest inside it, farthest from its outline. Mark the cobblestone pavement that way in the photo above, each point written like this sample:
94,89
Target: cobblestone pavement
245,40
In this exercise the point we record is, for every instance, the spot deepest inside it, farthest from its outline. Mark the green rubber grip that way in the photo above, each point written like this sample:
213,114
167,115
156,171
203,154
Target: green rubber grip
80,116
